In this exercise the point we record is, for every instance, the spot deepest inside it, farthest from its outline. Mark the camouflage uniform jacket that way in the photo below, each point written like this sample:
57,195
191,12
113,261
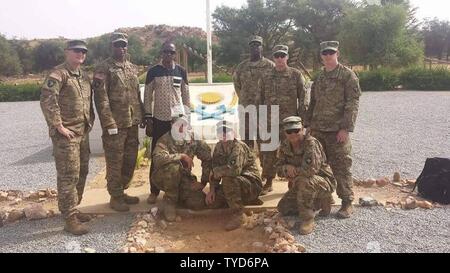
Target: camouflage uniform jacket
66,99
117,95
236,159
334,101
309,161
286,89
168,150
246,79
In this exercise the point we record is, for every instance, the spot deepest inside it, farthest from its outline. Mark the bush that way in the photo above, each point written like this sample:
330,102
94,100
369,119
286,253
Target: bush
417,78
25,92
378,80
218,78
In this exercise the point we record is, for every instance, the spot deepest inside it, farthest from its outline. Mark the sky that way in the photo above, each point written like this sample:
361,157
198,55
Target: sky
88,18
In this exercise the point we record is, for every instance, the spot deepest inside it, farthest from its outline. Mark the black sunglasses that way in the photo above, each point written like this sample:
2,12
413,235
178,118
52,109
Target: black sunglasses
79,50
292,131
279,55
328,52
169,52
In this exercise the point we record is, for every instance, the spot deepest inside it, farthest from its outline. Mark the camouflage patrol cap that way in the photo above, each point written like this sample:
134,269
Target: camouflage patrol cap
281,49
293,122
76,44
181,119
256,39
329,45
119,37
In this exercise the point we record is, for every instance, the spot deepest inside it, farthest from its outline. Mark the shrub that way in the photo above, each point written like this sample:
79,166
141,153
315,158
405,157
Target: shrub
24,92
417,78
218,78
378,80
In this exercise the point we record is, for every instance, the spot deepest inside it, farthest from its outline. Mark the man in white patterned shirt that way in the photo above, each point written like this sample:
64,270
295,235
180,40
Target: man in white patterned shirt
166,94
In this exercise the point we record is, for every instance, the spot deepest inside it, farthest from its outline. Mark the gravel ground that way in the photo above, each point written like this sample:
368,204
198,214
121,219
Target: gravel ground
398,131
394,132
376,230
47,236
26,161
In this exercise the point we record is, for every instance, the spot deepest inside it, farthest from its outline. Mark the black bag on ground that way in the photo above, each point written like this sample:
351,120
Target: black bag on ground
434,181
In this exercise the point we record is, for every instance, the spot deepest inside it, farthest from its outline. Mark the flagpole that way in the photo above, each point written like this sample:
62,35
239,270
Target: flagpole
209,41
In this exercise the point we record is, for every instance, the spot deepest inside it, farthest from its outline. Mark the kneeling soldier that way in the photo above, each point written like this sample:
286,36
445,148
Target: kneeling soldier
173,161
302,161
234,164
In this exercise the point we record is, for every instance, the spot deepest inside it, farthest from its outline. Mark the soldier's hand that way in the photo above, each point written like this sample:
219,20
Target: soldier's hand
291,171
187,162
66,132
342,136
211,197
149,127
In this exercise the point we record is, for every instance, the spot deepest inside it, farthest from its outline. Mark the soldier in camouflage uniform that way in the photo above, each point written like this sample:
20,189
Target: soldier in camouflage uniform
302,161
332,116
173,159
235,180
66,102
118,103
282,86
246,83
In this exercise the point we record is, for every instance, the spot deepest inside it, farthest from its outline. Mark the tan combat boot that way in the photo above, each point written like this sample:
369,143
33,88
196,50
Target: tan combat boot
74,226
325,206
84,218
131,200
170,211
152,199
267,187
307,222
236,221
118,204
346,210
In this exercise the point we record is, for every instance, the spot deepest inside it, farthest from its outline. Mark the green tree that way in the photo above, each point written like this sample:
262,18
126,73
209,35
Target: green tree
317,21
9,60
377,35
137,51
99,49
436,34
25,53
271,19
48,54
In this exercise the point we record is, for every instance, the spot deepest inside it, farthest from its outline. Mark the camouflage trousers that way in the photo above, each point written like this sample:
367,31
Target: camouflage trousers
72,167
340,160
121,153
269,160
302,196
237,192
177,182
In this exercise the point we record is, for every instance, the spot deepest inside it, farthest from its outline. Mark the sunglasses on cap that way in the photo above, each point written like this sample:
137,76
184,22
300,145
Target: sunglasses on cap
169,52
328,52
279,55
292,131
79,50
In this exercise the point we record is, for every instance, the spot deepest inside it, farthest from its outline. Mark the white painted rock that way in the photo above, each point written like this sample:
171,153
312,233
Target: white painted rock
368,202
35,212
143,224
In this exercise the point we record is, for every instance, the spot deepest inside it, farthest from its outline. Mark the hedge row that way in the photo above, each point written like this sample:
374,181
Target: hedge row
23,92
414,78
